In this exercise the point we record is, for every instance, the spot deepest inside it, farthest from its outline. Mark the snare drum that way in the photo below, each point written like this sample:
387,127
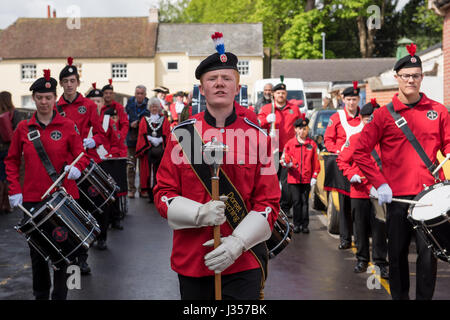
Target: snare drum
433,222
97,188
281,235
59,229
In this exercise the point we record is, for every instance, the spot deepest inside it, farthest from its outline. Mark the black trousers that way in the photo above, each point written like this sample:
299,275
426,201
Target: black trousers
345,218
300,197
400,231
366,223
245,285
286,199
41,274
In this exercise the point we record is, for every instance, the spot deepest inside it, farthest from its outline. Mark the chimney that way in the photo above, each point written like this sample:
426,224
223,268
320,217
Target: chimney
48,12
54,13
153,16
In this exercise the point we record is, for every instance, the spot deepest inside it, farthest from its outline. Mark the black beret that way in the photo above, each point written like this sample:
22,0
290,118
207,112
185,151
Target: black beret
280,86
369,108
68,70
44,84
108,86
94,93
301,122
409,61
216,62
351,92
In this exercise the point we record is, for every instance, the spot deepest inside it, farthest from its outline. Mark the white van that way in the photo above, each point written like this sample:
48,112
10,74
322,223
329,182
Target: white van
294,87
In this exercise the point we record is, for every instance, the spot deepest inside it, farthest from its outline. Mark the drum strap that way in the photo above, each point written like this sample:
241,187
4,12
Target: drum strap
35,137
191,142
376,156
403,125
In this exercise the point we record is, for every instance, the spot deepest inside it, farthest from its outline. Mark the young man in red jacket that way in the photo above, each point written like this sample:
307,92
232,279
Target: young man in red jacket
341,126
362,210
404,173
301,158
246,215
62,144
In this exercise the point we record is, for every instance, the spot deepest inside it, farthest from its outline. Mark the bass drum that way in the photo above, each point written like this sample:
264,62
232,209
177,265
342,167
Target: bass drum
59,229
433,222
281,235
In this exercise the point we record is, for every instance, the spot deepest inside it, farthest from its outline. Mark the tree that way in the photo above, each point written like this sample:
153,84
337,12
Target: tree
172,11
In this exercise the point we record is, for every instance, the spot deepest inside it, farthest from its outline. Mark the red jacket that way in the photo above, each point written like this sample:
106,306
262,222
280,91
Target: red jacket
62,145
305,160
349,168
254,177
122,124
83,112
403,169
284,122
335,135
246,113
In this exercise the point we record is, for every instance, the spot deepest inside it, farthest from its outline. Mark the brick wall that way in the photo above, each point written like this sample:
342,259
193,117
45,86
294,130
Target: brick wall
383,96
446,49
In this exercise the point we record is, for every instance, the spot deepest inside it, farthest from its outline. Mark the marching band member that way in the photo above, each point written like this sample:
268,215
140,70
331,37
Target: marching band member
118,115
302,160
154,131
363,212
62,144
284,118
404,171
341,126
84,113
181,195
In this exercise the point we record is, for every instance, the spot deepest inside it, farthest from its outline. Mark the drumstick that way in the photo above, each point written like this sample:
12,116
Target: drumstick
25,210
408,201
441,164
62,176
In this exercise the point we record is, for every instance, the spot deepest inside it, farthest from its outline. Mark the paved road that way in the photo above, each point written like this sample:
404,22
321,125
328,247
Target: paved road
136,265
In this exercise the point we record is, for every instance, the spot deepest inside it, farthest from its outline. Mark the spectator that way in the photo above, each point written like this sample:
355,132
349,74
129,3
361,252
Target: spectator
327,103
265,99
8,122
136,108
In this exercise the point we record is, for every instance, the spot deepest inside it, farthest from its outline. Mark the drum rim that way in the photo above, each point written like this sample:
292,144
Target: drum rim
420,195
286,235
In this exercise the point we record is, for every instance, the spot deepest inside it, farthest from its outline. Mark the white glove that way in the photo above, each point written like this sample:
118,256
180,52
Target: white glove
355,179
15,200
74,173
89,143
313,182
289,165
252,230
373,192
271,118
183,213
384,194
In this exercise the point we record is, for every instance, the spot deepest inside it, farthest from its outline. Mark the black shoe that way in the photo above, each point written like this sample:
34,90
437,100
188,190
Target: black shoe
84,268
360,267
384,273
305,230
101,245
344,245
297,229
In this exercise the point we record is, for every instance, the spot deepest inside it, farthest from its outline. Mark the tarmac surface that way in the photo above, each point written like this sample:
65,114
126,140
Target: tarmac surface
136,265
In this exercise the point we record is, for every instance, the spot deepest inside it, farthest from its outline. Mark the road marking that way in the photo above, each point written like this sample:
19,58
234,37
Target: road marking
24,267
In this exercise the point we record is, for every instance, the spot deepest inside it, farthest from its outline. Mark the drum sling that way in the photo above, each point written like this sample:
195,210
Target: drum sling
403,125
35,137
235,206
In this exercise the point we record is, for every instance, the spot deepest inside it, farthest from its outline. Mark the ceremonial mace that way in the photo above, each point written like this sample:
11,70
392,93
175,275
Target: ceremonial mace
214,152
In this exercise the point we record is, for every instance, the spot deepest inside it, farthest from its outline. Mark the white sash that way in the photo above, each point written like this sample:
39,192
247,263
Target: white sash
349,130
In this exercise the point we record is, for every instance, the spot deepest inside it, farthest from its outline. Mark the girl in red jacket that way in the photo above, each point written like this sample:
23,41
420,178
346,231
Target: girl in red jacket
300,156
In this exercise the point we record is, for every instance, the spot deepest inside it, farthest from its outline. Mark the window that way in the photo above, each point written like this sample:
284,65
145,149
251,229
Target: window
28,71
27,102
243,67
119,71
173,66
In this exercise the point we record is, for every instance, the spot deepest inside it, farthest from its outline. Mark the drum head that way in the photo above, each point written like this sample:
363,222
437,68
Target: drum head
438,195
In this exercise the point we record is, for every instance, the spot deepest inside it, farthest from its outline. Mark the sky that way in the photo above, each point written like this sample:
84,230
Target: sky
12,9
